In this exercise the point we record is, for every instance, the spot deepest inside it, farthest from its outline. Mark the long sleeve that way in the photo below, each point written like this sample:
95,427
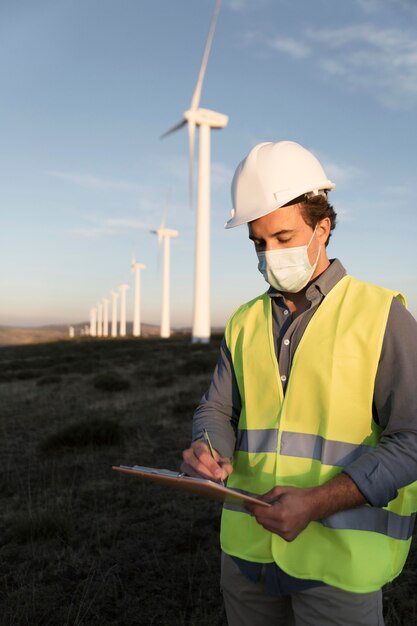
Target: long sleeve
393,463
219,408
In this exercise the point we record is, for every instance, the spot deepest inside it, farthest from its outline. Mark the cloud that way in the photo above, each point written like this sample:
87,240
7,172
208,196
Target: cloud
93,182
364,56
293,47
373,6
399,190
243,5
340,174
221,174
148,201
344,215
237,5
108,226
368,6
381,61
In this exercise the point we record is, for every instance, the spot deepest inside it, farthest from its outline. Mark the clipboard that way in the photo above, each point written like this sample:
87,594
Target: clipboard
199,486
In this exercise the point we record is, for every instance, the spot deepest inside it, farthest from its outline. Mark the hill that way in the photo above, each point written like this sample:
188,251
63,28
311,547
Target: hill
18,335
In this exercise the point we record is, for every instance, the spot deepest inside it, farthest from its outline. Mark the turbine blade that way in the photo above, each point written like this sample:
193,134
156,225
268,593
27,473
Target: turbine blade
159,251
191,141
173,129
163,220
197,91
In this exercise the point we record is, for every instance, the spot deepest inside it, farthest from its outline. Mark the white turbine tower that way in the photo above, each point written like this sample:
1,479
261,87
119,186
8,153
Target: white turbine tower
136,269
93,322
205,120
99,319
164,237
114,296
122,290
105,317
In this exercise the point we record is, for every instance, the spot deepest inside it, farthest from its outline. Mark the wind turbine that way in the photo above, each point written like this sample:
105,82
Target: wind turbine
114,296
100,319
93,322
136,269
105,317
205,119
122,290
164,236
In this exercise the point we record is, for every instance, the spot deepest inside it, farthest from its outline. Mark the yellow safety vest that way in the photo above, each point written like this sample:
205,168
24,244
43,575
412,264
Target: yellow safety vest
304,439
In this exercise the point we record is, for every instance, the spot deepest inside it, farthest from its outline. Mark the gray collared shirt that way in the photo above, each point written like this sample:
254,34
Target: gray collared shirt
378,473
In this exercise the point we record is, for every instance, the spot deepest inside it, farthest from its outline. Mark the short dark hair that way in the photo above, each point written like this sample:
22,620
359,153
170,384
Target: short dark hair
314,209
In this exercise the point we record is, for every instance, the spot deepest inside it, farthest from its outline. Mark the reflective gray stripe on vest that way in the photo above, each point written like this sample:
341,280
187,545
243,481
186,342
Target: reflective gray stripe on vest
236,508
257,440
325,450
373,519
366,518
306,446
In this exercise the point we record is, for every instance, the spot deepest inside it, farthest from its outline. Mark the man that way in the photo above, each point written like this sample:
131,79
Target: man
313,406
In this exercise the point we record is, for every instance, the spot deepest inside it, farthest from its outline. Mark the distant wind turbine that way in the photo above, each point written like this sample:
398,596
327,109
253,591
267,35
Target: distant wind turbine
164,237
93,322
136,269
122,290
99,319
106,317
114,296
205,119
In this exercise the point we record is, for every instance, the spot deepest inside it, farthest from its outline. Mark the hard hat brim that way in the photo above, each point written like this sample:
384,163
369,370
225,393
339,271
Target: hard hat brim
281,199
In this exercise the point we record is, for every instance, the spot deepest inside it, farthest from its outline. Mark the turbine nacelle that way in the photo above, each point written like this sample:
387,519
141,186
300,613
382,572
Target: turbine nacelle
164,232
137,266
206,116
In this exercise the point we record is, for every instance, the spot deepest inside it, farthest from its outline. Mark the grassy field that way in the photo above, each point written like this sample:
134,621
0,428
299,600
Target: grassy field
81,544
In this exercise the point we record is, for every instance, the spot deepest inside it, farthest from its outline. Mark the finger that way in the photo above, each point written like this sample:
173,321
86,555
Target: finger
255,510
204,456
189,470
226,467
198,466
274,494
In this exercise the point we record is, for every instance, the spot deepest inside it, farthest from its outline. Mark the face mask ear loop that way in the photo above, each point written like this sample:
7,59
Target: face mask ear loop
311,239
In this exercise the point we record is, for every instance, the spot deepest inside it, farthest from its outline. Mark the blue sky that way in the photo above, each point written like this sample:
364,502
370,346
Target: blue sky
88,86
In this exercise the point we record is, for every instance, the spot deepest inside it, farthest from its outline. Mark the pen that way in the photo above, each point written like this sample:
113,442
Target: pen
210,447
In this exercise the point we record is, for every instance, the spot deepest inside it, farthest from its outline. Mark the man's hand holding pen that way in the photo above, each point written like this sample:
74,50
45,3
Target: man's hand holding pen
202,460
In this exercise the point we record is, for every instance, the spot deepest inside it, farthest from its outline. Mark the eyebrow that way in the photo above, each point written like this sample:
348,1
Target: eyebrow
279,232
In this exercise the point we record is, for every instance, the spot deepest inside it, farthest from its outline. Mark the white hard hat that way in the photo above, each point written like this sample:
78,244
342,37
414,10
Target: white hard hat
272,175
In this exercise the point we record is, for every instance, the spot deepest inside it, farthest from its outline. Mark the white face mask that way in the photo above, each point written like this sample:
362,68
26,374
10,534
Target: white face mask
287,269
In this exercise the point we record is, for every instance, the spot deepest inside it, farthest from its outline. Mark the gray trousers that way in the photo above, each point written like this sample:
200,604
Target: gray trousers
247,604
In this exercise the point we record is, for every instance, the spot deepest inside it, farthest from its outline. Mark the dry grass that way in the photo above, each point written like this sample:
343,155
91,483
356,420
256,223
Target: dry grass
84,545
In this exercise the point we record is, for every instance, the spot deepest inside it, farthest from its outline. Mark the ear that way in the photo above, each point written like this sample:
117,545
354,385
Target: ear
323,230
